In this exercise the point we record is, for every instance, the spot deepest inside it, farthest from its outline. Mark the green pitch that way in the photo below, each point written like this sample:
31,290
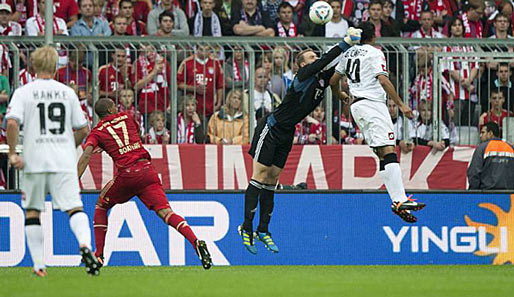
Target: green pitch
264,281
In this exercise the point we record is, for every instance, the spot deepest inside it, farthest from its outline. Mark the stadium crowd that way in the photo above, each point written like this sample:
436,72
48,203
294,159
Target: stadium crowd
213,83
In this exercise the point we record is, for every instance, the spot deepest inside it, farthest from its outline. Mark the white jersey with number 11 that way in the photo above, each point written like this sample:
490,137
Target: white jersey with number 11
362,64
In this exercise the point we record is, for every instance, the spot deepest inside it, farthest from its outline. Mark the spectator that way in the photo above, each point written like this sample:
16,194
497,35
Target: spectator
67,10
229,125
405,145
462,74
166,23
127,105
422,86
141,10
360,12
237,69
5,93
266,62
471,19
427,26
190,7
348,133
285,27
301,133
501,27
272,7
189,125
492,165
27,74
263,99
502,83
299,6
89,25
135,27
158,134
99,10
35,25
224,8
74,73
497,113
442,11
202,76
420,130
21,10
318,126
119,26
180,28
87,104
206,21
337,26
115,76
250,21
7,27
281,76
381,28
153,80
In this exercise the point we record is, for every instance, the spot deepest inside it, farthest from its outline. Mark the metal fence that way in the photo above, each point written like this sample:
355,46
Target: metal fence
175,86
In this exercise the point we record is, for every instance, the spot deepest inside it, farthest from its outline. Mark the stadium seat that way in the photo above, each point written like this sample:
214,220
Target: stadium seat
468,135
508,129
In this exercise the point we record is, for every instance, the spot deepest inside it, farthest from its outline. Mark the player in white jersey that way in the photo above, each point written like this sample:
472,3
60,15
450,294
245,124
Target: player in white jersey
365,67
49,112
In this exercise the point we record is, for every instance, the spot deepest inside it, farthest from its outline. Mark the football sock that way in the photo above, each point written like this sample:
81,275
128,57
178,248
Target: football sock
180,224
100,225
266,201
391,174
251,201
79,224
34,234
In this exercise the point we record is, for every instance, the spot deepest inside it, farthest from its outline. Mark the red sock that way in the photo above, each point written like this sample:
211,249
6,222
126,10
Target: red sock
180,224
100,226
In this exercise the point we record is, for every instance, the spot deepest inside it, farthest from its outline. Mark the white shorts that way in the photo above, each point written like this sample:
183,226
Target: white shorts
374,121
62,186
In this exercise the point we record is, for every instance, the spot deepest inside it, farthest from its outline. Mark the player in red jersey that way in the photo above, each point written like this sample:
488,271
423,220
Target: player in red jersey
117,133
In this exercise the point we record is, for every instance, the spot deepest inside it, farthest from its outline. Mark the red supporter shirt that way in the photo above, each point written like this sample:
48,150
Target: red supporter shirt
65,9
193,73
118,135
141,10
111,79
81,78
155,94
492,117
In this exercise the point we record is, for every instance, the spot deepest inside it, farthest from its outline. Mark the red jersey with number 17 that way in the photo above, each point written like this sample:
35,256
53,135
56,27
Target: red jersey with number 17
118,135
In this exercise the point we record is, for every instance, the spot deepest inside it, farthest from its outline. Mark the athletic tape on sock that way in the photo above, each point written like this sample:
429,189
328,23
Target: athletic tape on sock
32,221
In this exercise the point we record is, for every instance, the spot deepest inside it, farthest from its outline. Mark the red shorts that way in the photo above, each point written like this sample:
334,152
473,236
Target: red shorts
139,180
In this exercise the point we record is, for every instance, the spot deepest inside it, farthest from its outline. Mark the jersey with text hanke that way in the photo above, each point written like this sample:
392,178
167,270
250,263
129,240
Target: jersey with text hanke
362,64
48,111
118,135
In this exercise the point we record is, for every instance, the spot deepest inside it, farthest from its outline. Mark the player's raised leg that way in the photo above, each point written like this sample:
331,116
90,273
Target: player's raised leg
267,203
391,174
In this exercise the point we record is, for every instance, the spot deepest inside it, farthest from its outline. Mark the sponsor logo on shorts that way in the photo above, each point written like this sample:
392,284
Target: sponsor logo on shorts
23,196
391,135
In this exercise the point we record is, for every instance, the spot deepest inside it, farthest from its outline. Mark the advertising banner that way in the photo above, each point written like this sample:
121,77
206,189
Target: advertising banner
326,167
309,229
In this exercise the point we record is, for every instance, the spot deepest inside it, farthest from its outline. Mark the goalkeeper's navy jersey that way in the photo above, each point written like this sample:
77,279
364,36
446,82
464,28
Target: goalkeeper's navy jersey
306,91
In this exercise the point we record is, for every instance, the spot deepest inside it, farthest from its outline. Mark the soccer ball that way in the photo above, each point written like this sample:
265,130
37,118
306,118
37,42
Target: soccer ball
321,12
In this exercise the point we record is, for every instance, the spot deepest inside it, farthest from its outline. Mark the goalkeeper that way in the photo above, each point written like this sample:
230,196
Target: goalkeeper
273,137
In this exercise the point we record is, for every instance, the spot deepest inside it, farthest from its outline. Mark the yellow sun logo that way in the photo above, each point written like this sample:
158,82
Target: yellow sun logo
503,233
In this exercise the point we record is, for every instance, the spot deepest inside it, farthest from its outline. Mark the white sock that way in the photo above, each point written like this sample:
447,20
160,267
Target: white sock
392,177
34,235
79,224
